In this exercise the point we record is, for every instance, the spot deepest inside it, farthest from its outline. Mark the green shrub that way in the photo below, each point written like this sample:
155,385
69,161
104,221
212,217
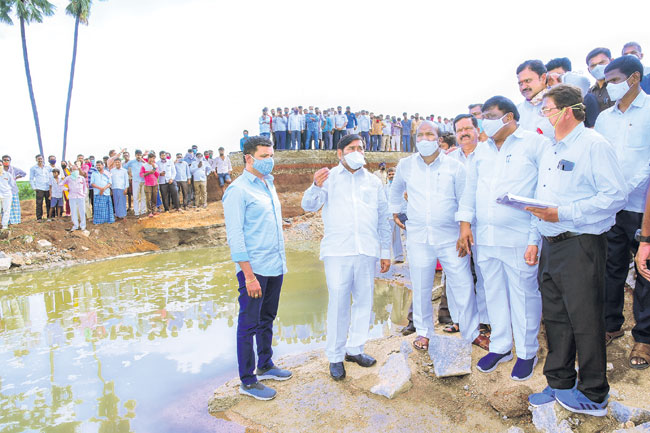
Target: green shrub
25,190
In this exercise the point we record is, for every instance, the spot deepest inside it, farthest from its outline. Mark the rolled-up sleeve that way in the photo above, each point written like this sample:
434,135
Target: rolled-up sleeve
234,207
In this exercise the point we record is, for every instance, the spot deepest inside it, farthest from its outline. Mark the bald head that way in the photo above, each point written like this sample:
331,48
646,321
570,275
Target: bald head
428,126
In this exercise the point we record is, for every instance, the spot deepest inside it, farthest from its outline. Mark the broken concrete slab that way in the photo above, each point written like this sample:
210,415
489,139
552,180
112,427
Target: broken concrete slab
451,356
624,413
394,377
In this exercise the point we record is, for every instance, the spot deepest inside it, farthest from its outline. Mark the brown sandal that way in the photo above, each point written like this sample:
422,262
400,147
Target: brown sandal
640,351
421,343
451,329
611,336
482,341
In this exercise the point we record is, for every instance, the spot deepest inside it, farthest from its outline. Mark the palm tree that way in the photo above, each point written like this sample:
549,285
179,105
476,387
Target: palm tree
80,10
28,11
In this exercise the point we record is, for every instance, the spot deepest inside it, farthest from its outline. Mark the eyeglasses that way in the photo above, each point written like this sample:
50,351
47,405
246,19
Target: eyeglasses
544,112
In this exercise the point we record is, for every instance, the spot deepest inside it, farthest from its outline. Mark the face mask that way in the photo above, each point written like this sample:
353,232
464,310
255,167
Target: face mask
492,126
355,160
480,125
558,115
75,174
618,90
264,166
52,161
295,111
426,147
598,72
339,111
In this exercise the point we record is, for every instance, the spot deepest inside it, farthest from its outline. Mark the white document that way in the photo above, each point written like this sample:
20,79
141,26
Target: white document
520,203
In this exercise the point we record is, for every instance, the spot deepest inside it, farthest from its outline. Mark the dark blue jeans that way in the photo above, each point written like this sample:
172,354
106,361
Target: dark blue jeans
407,143
256,316
280,140
295,140
366,138
376,142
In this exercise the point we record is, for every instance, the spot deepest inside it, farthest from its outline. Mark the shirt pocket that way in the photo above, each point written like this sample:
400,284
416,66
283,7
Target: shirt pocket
444,185
368,196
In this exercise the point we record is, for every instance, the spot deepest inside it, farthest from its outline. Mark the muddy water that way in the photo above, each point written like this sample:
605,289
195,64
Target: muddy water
138,344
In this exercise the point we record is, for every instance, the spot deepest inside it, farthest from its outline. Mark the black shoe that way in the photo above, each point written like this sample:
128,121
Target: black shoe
445,320
408,329
362,359
337,370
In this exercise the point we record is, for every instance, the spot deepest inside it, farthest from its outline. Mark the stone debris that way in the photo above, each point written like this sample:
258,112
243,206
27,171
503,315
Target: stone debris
624,413
394,377
28,239
451,356
514,429
5,261
86,233
545,419
643,428
511,402
43,244
405,348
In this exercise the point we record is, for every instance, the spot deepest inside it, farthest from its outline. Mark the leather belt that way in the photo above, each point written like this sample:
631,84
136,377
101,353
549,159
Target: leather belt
561,237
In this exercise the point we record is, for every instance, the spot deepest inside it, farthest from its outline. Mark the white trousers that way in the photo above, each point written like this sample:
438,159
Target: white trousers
78,213
394,143
139,198
481,304
460,287
514,302
396,245
6,210
348,275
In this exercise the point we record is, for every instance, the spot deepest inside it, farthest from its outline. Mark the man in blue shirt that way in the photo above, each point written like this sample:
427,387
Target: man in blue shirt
581,180
313,123
406,133
39,179
280,130
242,141
352,121
265,123
254,230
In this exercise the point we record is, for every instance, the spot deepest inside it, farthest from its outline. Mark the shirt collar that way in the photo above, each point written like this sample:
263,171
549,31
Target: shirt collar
572,136
440,157
252,178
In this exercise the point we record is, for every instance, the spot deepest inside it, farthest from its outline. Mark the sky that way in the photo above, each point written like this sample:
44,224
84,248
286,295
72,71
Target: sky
167,74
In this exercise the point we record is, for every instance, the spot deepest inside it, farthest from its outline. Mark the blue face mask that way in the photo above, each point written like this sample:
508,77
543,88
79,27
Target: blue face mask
264,166
480,125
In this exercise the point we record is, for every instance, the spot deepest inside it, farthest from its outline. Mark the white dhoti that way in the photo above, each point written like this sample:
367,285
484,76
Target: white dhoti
348,275
460,287
513,299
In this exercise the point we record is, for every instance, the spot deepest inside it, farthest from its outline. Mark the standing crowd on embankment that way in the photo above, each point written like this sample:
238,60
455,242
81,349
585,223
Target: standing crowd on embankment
532,215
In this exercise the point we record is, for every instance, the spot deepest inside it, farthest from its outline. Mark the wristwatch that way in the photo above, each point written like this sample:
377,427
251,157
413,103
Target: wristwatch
639,238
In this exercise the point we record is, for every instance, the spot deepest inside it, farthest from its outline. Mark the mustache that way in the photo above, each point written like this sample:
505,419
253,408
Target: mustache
465,136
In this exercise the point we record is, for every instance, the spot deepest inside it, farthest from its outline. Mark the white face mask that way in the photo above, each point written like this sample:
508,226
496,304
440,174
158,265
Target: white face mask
426,147
492,126
618,90
355,160
598,72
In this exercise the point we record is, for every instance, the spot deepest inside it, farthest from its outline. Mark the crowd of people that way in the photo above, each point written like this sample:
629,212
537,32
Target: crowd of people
115,186
533,214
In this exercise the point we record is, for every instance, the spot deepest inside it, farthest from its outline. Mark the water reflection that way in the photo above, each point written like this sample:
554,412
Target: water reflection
115,346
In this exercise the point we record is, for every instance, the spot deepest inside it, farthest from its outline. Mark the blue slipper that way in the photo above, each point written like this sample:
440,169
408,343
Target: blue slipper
490,361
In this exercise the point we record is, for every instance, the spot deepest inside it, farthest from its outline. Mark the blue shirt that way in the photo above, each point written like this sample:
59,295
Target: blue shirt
182,171
589,191
280,124
352,120
39,178
265,124
254,224
493,172
327,124
133,166
190,157
312,122
645,83
242,141
629,133
406,127
101,180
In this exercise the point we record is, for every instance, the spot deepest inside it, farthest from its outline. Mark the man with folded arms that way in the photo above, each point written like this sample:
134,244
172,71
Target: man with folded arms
357,233
434,183
581,174
507,240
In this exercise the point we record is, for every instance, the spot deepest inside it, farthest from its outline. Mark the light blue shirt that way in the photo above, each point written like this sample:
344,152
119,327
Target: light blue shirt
101,180
629,133
493,172
265,123
39,177
295,122
254,224
280,124
170,171
364,123
589,191
119,178
182,171
133,166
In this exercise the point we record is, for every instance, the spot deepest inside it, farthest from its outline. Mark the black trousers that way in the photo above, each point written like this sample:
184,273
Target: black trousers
40,196
169,195
572,283
184,188
337,136
620,241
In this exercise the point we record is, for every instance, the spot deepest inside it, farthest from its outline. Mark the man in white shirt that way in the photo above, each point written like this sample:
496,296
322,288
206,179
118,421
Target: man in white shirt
224,170
627,126
357,233
340,123
531,77
166,182
386,134
434,184
363,122
507,240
